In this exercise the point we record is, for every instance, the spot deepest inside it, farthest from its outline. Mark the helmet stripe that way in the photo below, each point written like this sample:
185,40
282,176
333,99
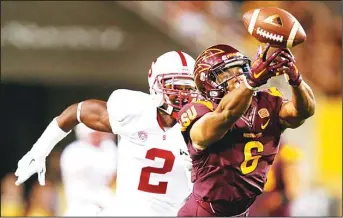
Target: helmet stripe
183,58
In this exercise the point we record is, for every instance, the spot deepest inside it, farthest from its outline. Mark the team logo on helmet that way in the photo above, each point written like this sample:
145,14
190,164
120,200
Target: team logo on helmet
209,53
142,135
201,67
150,73
231,55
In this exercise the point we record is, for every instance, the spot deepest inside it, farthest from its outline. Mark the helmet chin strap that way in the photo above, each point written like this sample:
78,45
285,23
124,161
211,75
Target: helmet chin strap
169,109
159,103
158,99
173,114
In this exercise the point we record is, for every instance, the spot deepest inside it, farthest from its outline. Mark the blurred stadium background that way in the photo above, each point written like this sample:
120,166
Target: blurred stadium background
56,53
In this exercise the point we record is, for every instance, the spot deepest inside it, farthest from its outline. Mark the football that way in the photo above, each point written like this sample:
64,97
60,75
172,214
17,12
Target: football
275,26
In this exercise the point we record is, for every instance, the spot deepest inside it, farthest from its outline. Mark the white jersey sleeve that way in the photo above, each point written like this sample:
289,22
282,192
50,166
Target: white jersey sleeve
124,106
117,109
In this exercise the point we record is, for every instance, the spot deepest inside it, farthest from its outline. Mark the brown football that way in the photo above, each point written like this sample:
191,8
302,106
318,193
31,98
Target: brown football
275,26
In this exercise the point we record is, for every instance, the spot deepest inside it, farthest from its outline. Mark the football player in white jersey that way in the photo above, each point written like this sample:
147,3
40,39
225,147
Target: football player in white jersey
153,173
88,167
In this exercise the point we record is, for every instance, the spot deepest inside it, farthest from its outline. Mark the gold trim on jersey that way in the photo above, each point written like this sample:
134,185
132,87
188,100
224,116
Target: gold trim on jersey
208,104
183,128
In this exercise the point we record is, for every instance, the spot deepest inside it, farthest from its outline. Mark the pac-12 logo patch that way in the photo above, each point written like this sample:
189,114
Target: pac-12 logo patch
142,135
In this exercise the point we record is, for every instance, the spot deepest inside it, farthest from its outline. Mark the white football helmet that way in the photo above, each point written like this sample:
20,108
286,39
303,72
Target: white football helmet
171,80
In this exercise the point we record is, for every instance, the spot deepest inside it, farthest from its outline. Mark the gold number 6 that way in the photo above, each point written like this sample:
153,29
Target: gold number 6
248,158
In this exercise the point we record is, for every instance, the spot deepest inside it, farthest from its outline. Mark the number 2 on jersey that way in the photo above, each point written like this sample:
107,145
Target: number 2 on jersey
161,187
248,158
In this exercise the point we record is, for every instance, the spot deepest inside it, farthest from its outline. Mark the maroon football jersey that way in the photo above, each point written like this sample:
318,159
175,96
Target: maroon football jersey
235,167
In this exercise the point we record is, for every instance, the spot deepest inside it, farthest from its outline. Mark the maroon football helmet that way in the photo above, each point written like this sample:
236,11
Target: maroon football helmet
213,61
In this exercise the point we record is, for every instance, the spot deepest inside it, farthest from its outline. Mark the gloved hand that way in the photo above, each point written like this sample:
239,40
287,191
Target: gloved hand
291,73
262,68
29,165
34,161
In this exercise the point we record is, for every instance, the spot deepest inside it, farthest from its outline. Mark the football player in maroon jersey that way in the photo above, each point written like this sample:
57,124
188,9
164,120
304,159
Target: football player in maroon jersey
233,137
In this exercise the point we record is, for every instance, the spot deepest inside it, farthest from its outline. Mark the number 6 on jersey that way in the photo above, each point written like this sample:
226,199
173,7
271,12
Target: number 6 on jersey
249,158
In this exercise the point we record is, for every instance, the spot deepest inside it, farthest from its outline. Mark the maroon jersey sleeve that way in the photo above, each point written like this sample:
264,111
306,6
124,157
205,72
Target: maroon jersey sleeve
193,111
188,115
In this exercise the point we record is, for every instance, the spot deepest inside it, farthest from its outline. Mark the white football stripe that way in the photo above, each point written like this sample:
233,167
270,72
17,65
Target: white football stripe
292,34
253,20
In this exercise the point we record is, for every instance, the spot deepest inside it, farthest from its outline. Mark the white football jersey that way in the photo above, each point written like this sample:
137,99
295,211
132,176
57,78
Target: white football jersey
86,173
153,177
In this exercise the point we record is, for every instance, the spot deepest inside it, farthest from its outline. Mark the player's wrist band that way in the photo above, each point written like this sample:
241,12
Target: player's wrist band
248,85
78,112
50,137
295,83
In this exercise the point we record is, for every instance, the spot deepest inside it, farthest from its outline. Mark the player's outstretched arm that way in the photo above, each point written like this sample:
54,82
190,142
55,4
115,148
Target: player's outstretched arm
214,125
294,113
93,113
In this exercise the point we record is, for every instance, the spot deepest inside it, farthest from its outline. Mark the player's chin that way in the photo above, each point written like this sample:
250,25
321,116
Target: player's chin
237,85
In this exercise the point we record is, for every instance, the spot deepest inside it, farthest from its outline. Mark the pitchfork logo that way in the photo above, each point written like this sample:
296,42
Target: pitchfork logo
200,66
142,135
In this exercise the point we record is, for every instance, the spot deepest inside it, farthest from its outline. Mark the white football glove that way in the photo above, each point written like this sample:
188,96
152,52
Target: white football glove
34,161
29,165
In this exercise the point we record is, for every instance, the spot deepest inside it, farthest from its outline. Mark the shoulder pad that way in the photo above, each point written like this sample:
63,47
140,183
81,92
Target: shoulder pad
192,112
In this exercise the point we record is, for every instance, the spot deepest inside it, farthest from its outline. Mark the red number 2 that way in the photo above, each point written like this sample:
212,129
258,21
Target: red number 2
151,154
